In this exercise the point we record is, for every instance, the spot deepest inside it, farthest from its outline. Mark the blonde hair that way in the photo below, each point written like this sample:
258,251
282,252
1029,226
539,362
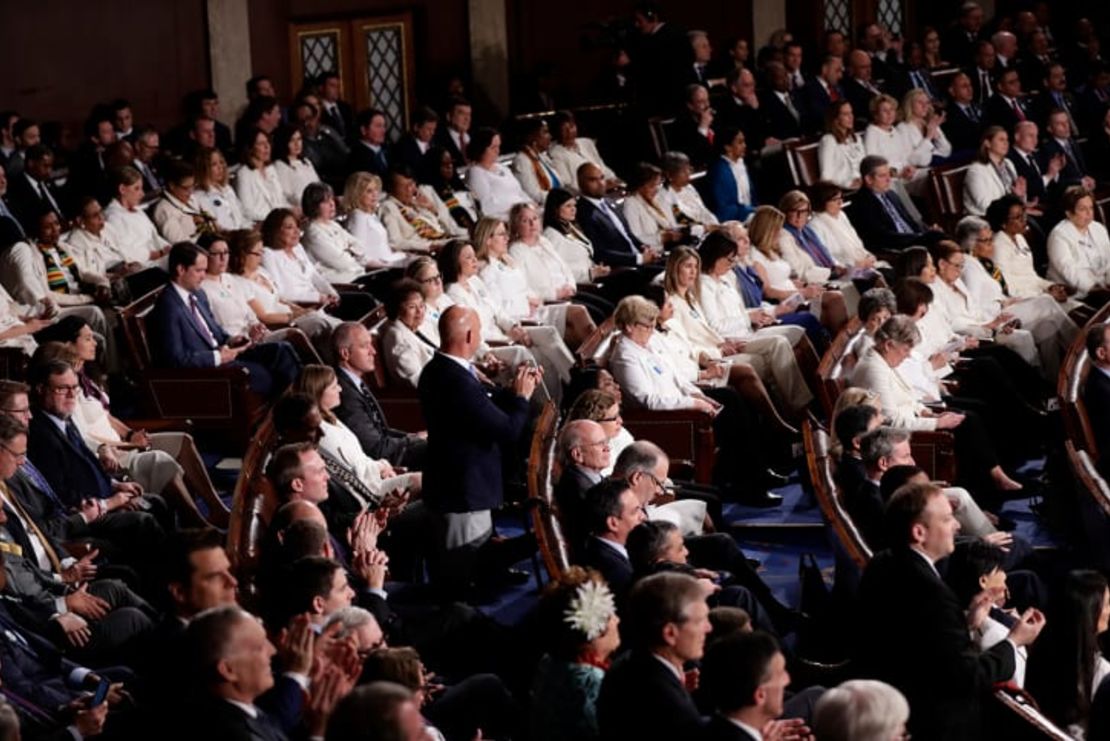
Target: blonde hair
516,213
202,164
314,379
356,186
906,111
670,278
878,100
791,200
635,310
764,230
483,232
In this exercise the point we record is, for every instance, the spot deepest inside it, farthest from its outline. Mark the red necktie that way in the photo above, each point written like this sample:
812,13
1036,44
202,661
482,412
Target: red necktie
1018,112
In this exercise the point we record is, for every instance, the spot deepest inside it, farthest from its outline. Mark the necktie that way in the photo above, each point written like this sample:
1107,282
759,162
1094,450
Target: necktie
616,219
972,112
1033,163
900,225
28,469
51,554
198,318
338,123
833,94
1017,110
462,147
104,484
790,106
47,199
984,86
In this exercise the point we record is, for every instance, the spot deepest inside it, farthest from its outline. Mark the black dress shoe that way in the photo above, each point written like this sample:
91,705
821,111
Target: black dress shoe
760,500
773,479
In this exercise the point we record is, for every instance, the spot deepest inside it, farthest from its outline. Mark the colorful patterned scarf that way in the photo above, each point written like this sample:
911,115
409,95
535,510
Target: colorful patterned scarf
55,273
423,229
992,269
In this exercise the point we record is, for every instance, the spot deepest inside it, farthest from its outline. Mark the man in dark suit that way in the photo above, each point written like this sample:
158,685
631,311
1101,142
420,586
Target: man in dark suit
879,216
368,153
960,41
913,632
470,431
185,334
820,92
1036,60
584,453
455,135
1059,143
1096,392
1042,178
11,229
31,193
605,226
852,424
779,103
983,73
1055,96
1006,108
336,113
880,450
744,676
963,120
644,694
742,109
659,52
415,143
859,87
358,409
692,132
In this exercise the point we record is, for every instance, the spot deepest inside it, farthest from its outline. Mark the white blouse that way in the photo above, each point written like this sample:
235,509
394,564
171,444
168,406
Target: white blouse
1079,261
576,251
334,249
223,204
373,239
94,253
647,220
228,303
174,219
295,276
294,177
544,270
886,143
508,287
405,354
495,190
259,192
476,295
1014,258
983,185
567,160
778,271
839,237
135,234
919,150
840,161
689,202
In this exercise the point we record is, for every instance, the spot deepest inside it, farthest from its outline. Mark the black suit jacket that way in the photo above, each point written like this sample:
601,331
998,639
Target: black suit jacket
780,123
1034,177
468,429
344,123
752,121
864,503
616,569
364,159
981,93
216,719
913,634
570,496
73,473
815,101
443,139
860,98
363,415
1096,396
642,699
47,510
720,728
407,152
610,246
1075,164
1000,113
962,130
27,204
685,137
876,227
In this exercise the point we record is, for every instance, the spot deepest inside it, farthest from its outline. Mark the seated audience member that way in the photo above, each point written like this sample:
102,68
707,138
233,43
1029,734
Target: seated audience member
820,92
286,261
92,243
532,165
992,175
34,192
19,323
922,137
214,192
1079,249
861,710
692,131
294,171
610,510
744,679
323,145
859,88
604,408
178,214
644,694
561,229
649,222
361,197
440,182
780,104
831,225
406,349
679,198
1013,258
841,150
455,135
1066,665
355,357
187,335
378,711
730,189
963,120
580,636
546,276
87,167
1006,108
742,109
263,111
879,451
335,111
135,234
491,183
604,225
1043,184
256,182
943,675
852,420
335,251
415,223
879,216
147,161
368,153
1096,391
1059,142
570,152
415,143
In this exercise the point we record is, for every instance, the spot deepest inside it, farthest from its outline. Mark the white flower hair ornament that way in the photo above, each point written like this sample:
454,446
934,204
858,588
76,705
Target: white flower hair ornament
590,609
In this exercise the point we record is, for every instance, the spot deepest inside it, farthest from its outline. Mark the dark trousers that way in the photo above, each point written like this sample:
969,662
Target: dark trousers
113,636
742,455
481,702
273,367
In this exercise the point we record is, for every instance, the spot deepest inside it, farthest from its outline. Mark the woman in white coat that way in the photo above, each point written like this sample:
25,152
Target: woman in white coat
1079,248
214,192
294,171
570,151
568,240
992,175
288,265
840,150
361,195
335,250
256,182
491,183
406,349
836,232
647,219
1014,257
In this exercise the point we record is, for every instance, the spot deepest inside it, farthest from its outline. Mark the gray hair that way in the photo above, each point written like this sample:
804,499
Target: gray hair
350,619
674,161
874,299
860,710
899,328
967,231
879,443
572,436
640,456
313,197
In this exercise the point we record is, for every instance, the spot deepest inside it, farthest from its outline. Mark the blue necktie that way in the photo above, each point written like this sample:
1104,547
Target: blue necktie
900,224
103,483
4,211
41,483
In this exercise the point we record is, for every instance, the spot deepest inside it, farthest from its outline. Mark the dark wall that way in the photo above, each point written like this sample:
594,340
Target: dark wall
59,58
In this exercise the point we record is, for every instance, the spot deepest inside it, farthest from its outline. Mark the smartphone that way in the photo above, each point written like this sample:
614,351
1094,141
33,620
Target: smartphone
239,342
101,693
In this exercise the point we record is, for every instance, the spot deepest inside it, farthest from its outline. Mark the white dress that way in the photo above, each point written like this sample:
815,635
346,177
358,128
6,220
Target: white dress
373,239
295,276
575,249
567,160
508,287
544,270
495,190
224,205
259,192
1081,261
294,177
334,249
840,161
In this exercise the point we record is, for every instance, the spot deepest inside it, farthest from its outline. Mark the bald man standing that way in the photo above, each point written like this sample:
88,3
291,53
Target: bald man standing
469,426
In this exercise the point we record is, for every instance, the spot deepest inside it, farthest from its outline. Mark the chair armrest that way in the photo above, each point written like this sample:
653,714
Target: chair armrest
684,434
155,424
935,451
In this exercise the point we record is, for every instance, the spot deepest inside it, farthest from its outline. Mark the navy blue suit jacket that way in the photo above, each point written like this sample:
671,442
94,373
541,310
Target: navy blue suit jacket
721,191
616,570
644,700
1096,396
74,474
176,340
610,246
1075,167
468,429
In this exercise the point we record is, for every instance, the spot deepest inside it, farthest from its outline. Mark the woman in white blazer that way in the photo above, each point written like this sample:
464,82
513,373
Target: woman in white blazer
256,182
177,214
570,151
287,263
832,226
647,219
405,348
877,371
294,171
532,165
992,175
1014,257
491,183
361,195
840,151
334,249
214,192
1079,248
568,240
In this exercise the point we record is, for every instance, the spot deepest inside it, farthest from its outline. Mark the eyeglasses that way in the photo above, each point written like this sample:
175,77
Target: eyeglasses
645,325
802,210
24,410
610,419
218,253
431,279
64,389
14,454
